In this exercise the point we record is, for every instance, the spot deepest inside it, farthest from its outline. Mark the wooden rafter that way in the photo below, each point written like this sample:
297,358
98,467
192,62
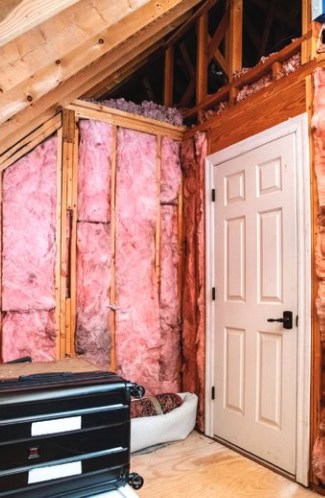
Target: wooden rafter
219,34
19,16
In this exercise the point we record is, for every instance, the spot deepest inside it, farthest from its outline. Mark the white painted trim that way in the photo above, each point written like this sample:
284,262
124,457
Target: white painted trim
299,127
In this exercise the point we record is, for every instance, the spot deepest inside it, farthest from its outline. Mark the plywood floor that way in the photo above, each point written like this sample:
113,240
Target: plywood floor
201,468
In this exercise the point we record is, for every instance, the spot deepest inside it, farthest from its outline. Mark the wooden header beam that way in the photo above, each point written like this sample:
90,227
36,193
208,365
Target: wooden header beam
88,110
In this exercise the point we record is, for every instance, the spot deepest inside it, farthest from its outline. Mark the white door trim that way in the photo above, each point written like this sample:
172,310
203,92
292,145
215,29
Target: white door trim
299,127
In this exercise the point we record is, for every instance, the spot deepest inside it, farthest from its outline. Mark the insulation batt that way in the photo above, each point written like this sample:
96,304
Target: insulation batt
170,323
29,227
148,109
94,171
318,130
94,253
28,334
193,340
137,317
171,173
94,259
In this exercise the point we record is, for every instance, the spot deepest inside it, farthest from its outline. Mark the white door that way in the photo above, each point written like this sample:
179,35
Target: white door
256,279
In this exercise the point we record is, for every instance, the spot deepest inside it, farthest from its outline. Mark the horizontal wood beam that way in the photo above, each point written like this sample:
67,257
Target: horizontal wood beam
124,119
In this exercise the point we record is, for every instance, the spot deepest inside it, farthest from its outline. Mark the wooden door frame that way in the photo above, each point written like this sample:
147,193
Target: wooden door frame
299,127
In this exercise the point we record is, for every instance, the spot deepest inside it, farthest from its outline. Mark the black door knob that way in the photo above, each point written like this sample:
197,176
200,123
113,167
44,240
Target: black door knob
286,320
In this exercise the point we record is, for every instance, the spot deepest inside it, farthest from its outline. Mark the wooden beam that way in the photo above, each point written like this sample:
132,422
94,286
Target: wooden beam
126,120
30,141
163,14
221,61
58,240
219,34
175,37
169,76
112,291
19,16
158,221
235,36
202,58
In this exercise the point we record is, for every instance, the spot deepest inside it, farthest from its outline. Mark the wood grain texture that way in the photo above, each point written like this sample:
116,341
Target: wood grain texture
256,115
202,468
19,16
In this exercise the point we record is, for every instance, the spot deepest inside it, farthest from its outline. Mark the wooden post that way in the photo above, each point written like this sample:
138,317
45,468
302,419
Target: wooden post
68,233
158,225
202,58
112,292
169,76
316,340
58,308
180,243
235,34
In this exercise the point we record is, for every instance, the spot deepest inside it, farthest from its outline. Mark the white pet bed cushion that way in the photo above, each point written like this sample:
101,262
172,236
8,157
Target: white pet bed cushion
172,426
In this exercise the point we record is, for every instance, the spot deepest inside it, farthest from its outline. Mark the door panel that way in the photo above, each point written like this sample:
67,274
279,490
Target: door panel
256,279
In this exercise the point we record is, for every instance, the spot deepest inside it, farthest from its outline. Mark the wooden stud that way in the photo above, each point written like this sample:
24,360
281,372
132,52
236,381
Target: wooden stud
187,60
276,70
158,223
235,37
73,255
169,76
180,217
202,58
112,292
316,351
64,252
58,238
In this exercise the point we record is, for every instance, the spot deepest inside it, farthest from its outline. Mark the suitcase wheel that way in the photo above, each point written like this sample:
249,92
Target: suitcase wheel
137,391
135,480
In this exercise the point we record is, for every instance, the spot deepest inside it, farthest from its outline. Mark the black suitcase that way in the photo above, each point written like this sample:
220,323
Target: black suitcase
65,435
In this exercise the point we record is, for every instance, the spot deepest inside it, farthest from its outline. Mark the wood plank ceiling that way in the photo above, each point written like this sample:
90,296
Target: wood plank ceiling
63,57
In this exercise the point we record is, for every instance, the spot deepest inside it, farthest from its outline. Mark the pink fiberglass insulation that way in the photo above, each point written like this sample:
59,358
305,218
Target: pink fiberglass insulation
171,173
170,323
193,334
137,318
95,151
29,227
148,109
28,334
318,128
94,258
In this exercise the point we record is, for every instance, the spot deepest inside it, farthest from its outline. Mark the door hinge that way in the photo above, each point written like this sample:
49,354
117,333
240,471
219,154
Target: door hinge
213,195
213,293
213,392
297,320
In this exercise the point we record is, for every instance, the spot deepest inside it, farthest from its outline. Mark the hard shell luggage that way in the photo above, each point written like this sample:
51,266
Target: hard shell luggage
65,435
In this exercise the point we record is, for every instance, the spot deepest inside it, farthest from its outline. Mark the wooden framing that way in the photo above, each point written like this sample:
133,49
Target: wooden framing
68,233
112,292
89,110
73,73
158,223
202,58
169,76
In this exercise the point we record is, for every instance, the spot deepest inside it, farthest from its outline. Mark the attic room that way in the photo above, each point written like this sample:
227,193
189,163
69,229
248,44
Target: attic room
162,248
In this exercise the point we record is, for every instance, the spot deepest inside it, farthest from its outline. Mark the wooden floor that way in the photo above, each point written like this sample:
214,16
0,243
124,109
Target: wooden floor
201,468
